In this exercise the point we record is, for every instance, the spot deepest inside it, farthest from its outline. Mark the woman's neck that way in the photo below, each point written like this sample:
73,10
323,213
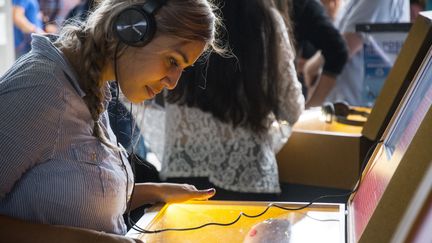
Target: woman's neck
107,72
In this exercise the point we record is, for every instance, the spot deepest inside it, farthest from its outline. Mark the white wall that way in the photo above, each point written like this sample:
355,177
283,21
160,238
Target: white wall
7,51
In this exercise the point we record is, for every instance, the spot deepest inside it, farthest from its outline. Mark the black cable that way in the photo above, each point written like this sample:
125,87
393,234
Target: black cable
117,102
129,221
363,165
117,92
365,160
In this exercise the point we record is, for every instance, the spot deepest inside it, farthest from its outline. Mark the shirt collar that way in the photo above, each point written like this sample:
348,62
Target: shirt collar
43,44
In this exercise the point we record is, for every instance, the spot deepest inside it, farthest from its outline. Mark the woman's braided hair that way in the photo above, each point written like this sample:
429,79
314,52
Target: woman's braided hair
95,43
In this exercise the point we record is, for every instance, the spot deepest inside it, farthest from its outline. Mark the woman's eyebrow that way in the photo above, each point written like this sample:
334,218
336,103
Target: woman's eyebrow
183,55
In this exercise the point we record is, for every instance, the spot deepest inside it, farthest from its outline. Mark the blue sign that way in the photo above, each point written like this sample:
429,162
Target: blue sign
380,52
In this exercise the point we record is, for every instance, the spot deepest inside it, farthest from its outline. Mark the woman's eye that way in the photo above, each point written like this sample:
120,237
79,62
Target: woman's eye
173,62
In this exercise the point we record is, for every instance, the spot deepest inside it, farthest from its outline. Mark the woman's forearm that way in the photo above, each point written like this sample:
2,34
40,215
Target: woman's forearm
145,193
320,91
20,231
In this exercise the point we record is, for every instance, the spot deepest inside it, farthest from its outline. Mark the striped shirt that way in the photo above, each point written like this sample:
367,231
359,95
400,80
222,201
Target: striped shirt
52,170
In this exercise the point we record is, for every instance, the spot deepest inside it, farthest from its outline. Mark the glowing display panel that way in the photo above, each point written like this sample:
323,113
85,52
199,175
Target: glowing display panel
326,221
386,159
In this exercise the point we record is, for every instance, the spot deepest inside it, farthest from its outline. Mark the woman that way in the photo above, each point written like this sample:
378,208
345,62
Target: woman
62,176
218,122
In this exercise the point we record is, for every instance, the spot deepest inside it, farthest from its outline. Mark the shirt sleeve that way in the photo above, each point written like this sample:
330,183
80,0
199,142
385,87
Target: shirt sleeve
20,3
366,11
29,126
291,99
320,31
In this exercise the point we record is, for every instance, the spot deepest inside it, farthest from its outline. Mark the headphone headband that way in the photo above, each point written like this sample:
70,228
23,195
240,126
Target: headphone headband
151,6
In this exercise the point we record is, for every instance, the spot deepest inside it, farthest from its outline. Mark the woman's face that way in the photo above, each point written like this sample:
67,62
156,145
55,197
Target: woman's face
145,71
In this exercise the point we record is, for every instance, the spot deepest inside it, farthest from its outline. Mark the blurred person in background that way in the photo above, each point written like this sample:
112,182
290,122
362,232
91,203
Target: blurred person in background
27,19
81,11
50,10
349,84
416,6
322,52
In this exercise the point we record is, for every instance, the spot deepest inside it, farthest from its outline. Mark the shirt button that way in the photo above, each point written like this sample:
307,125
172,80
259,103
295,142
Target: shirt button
93,156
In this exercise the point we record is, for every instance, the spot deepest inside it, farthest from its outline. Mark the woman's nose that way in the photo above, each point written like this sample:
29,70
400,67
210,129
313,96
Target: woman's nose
172,79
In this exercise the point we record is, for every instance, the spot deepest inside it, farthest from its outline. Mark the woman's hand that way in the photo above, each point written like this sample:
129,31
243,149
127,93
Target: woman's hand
146,193
172,192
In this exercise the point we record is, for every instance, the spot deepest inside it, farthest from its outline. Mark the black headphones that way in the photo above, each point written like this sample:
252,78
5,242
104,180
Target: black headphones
136,25
339,111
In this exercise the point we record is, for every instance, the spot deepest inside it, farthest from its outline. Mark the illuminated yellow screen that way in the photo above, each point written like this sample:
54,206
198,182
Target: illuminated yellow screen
323,223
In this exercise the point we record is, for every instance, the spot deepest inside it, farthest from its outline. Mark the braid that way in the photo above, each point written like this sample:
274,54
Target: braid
92,86
77,38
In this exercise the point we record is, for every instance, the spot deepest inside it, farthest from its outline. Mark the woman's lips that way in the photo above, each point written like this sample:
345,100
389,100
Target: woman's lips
150,91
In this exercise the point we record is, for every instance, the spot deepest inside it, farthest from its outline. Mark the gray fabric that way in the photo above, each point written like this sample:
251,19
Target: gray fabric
52,170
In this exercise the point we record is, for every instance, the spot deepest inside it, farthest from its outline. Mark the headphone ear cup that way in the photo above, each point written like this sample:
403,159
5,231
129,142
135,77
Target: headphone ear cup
341,109
328,111
134,27
331,110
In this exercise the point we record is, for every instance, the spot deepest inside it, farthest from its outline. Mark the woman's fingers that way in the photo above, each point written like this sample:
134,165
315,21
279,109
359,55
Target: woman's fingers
204,194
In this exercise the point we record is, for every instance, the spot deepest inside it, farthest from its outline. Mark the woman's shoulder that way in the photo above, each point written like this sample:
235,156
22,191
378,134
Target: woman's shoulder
33,75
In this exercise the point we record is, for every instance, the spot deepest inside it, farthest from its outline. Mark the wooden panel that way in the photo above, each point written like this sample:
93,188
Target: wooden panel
320,159
320,153
389,183
417,221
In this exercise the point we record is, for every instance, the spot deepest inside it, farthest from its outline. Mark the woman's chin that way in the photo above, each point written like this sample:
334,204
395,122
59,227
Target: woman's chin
137,99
